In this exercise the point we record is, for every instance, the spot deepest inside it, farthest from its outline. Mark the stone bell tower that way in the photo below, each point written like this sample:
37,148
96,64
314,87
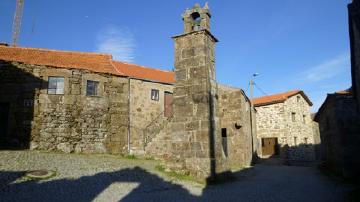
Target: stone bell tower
195,137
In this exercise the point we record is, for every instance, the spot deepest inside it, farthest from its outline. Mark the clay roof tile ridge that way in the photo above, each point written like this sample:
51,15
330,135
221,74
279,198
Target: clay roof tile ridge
152,68
114,66
62,51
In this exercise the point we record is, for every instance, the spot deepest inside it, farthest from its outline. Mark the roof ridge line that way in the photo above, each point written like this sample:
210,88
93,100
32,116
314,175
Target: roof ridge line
282,94
153,68
114,66
63,51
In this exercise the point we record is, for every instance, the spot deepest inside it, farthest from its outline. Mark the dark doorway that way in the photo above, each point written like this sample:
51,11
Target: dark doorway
269,146
4,116
168,99
224,141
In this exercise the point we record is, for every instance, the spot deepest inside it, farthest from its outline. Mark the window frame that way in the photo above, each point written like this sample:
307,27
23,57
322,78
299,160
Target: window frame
224,142
156,96
49,90
304,118
96,85
293,116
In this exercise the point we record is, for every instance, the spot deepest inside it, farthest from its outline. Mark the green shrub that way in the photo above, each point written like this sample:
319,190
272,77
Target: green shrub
131,157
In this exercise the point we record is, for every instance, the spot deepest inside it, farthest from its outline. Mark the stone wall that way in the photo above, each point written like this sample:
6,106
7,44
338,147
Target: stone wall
339,132
72,122
146,115
301,127
300,133
235,118
354,32
270,123
317,140
270,120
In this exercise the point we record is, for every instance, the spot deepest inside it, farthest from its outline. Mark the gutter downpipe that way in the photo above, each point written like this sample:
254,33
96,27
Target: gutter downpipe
129,119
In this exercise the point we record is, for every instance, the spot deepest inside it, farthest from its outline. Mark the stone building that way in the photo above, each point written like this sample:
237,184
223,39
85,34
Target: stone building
339,115
59,100
285,127
339,132
86,102
79,102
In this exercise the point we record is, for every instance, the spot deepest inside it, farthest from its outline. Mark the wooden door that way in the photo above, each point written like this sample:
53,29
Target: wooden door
269,146
168,99
4,114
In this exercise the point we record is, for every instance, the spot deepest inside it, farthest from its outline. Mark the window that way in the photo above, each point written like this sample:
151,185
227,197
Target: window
304,118
298,98
56,85
92,88
154,94
295,141
306,140
293,116
28,103
224,141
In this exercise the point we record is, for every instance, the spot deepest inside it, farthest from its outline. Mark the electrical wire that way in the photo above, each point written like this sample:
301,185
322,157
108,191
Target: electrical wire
261,90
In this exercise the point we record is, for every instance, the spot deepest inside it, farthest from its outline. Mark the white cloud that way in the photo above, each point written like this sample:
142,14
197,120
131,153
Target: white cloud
328,69
118,42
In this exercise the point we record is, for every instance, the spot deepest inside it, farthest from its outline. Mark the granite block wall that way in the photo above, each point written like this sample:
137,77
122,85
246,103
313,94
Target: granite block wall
69,122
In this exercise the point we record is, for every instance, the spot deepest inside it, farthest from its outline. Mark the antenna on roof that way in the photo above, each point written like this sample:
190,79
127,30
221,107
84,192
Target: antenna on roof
17,21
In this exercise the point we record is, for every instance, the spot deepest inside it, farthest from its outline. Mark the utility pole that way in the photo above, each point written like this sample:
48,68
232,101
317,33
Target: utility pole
251,86
17,21
251,92
252,117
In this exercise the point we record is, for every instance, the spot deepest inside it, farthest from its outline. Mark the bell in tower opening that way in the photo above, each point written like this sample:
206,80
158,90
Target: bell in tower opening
197,18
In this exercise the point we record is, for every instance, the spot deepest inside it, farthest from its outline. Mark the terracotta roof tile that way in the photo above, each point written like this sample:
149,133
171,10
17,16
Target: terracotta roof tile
140,72
344,92
95,62
278,98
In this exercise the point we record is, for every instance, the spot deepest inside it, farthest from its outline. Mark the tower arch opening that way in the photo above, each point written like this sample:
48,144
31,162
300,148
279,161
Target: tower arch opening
196,21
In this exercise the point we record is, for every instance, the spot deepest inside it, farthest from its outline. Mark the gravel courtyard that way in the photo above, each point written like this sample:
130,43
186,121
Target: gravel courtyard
111,178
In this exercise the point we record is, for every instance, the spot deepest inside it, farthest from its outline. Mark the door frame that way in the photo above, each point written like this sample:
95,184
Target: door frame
166,112
275,146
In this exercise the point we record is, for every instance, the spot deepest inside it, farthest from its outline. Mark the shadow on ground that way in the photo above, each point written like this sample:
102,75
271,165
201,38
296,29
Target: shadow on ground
250,185
87,188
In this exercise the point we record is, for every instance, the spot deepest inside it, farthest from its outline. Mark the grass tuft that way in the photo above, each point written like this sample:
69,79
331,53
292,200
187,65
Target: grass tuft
149,158
131,157
175,175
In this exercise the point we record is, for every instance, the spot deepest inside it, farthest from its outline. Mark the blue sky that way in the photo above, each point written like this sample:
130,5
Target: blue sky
292,44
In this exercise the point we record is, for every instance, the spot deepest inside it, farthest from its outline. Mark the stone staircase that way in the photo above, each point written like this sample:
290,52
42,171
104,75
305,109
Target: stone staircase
156,139
154,135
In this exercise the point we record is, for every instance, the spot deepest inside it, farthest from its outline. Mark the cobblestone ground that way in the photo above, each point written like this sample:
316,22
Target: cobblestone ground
111,178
